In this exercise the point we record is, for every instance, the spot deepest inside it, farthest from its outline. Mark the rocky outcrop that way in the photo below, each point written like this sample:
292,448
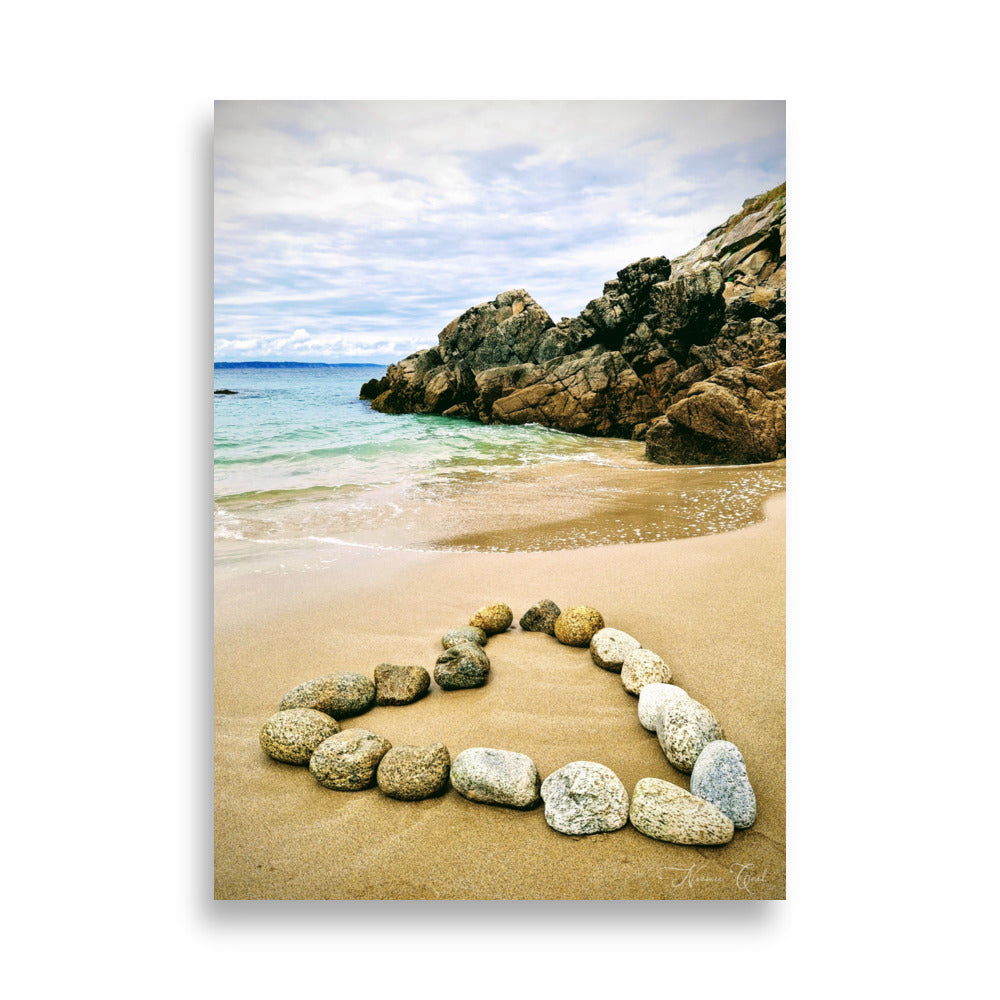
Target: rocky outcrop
687,354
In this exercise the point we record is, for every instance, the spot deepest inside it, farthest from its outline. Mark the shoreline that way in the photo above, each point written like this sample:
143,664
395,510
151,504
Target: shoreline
712,606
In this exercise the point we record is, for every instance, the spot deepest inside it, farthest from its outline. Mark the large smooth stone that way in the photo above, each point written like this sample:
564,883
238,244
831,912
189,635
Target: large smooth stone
492,619
292,735
498,777
541,617
584,797
396,685
577,626
684,729
665,811
720,777
651,701
348,760
412,773
464,665
610,646
642,667
464,634
339,695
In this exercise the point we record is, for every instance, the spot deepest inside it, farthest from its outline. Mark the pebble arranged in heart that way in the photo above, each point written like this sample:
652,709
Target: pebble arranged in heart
582,797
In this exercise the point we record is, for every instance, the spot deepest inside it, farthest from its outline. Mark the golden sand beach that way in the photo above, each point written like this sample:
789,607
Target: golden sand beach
711,606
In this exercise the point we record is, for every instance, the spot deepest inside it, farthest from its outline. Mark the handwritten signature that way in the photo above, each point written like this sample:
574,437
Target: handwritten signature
746,876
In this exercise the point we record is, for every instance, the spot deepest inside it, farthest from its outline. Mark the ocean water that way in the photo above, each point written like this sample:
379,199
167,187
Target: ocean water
299,459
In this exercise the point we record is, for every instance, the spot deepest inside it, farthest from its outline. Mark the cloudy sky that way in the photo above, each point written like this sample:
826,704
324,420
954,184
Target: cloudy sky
355,231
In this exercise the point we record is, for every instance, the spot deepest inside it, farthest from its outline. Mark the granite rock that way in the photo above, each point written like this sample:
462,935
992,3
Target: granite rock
609,647
651,700
464,665
577,626
720,777
348,760
685,727
541,617
467,633
292,734
339,695
642,667
665,811
584,797
497,777
396,685
411,773
492,619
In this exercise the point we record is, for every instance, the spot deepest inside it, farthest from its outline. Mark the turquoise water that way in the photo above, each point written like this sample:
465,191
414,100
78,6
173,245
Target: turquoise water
302,462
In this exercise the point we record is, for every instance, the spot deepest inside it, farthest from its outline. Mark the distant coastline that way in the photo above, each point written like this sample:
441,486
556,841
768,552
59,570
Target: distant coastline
298,364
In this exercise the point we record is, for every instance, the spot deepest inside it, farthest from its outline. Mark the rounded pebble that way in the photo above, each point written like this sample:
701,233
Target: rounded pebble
541,617
292,735
400,685
464,634
720,777
665,811
348,760
584,797
497,777
577,626
642,667
340,695
411,773
609,647
464,665
651,699
492,619
684,728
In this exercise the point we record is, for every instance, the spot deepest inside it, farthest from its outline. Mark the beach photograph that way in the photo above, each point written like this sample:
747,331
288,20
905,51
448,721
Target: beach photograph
499,500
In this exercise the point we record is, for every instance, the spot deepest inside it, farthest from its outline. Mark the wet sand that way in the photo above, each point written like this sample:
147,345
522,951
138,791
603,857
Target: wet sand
712,606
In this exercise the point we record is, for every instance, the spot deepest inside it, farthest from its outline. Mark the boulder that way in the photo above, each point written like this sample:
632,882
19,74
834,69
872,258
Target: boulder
493,619
651,700
578,625
292,734
641,667
411,773
339,695
541,617
665,811
464,665
497,777
466,633
720,777
685,727
584,797
348,760
395,685
610,646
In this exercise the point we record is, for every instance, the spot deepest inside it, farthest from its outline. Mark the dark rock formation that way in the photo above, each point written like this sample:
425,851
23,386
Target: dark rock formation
231,392
687,354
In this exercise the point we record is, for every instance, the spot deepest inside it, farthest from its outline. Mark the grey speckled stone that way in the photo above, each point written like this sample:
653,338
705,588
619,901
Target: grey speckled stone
464,634
400,685
465,665
348,760
412,773
541,617
720,777
609,647
340,695
665,811
642,667
292,735
577,626
584,797
497,777
684,729
651,700
492,619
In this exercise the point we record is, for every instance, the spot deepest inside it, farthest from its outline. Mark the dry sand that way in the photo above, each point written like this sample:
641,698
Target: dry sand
713,607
